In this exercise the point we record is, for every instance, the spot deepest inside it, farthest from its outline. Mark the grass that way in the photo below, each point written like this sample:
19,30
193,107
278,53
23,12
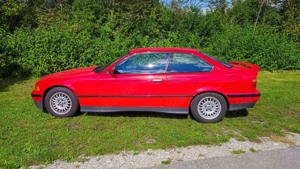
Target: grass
253,150
28,136
283,140
238,151
168,161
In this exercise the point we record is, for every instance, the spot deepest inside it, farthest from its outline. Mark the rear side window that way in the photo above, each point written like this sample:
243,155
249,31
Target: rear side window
188,63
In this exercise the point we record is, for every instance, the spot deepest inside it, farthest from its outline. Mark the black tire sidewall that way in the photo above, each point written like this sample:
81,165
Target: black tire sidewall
75,104
194,107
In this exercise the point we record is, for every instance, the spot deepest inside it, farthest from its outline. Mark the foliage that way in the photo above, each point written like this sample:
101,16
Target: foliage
291,18
235,44
29,136
8,65
238,152
45,51
41,37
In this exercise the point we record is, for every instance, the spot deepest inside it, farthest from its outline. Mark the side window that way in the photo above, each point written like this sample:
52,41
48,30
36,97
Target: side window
188,63
150,63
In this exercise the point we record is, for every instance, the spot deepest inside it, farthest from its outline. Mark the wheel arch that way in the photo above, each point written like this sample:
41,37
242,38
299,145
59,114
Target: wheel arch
52,87
212,91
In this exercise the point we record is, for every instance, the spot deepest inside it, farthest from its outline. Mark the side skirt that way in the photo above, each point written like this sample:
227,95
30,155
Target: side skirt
142,109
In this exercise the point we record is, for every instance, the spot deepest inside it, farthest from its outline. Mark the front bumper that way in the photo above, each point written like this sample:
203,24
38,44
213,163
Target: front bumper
38,100
39,104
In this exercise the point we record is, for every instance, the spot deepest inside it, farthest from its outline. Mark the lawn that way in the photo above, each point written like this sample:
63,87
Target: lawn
29,136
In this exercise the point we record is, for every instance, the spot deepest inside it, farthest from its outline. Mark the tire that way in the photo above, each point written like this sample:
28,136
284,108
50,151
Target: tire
61,102
209,107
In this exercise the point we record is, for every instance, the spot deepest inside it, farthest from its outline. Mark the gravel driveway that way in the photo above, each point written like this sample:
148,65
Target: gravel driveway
152,158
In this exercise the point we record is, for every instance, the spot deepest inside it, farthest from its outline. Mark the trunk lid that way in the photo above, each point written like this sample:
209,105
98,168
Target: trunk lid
245,66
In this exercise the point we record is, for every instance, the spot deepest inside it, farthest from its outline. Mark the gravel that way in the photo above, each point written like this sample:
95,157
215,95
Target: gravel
152,158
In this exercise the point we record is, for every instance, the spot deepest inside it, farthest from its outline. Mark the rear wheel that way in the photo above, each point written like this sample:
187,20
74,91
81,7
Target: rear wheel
61,102
209,107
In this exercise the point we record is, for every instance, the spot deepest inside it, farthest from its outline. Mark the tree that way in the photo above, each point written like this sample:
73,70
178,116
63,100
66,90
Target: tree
290,9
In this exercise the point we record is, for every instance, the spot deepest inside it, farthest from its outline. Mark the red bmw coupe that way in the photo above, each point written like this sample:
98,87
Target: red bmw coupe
168,80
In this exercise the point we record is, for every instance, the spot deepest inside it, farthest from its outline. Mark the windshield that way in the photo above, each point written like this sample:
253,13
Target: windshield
220,61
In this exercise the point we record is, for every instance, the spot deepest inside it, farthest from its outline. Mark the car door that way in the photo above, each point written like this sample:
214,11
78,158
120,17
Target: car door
137,83
186,74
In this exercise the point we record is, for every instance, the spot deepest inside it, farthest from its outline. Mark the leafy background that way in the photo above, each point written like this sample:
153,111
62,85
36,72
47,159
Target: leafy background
39,37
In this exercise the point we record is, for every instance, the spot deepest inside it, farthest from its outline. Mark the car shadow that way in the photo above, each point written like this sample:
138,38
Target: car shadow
237,113
230,114
137,114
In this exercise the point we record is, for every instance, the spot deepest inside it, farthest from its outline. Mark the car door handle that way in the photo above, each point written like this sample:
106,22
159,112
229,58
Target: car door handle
157,80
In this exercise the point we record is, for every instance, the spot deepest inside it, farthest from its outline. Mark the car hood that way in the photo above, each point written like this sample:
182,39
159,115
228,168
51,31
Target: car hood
71,73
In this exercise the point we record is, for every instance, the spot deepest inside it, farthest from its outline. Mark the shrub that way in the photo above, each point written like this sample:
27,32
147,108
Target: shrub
265,47
8,64
41,52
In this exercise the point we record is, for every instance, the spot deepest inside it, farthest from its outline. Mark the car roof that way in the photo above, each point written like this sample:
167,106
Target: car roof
164,49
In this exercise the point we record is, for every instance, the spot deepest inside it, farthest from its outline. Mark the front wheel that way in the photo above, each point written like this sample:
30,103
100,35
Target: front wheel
61,102
209,107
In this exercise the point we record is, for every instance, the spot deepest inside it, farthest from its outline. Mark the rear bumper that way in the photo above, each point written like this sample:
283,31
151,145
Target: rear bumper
242,100
233,107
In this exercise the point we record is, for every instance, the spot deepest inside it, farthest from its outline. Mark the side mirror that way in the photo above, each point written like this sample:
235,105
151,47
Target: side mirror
111,72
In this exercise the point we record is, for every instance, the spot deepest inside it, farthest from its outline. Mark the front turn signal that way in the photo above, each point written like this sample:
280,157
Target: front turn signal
36,87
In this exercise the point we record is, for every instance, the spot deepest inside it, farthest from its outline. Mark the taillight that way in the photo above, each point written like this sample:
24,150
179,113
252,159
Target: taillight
253,83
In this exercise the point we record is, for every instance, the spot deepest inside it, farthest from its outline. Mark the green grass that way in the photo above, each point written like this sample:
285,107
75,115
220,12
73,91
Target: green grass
29,136
238,151
168,161
253,150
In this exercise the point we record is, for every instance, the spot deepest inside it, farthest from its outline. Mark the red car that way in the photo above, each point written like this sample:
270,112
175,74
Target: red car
169,80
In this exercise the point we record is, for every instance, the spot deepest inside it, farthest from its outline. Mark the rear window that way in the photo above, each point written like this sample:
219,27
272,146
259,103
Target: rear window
220,61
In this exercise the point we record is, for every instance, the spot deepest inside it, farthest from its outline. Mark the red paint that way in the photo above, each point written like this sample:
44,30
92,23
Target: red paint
175,90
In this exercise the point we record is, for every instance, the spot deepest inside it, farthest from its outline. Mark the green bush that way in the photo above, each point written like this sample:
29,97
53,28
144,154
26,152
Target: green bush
42,52
8,63
39,38
264,47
